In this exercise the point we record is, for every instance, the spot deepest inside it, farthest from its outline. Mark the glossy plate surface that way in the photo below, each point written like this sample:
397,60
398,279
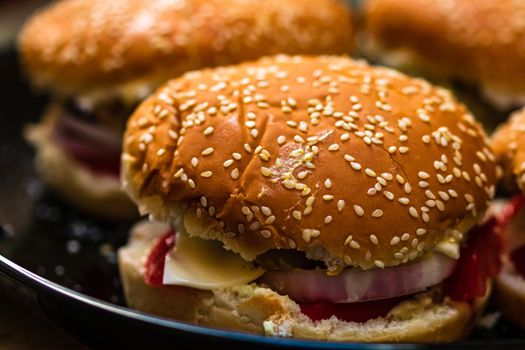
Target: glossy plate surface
63,263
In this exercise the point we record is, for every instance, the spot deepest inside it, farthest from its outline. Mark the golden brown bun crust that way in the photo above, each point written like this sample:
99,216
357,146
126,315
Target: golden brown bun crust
75,46
259,310
98,195
481,41
509,295
508,144
253,204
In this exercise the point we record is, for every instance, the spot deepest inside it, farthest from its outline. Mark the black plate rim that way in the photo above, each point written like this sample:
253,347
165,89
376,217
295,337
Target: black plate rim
43,285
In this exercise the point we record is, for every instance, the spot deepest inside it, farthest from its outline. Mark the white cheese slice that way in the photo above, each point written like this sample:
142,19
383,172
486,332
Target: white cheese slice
450,249
202,264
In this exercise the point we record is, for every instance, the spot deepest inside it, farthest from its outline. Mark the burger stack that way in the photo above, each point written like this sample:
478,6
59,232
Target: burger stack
305,194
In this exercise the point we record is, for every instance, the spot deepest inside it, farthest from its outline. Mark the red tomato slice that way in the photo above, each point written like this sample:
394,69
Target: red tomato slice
154,265
481,256
350,312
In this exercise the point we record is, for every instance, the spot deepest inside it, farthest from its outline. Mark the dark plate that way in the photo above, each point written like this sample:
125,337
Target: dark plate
63,264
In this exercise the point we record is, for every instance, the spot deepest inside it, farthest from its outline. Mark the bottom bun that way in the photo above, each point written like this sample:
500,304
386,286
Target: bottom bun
99,195
257,309
509,295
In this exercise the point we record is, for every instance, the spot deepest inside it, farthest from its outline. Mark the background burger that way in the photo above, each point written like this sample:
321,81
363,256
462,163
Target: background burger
311,197
474,45
509,148
98,59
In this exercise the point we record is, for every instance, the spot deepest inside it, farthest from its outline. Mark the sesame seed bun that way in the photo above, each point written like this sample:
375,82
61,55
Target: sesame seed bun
353,164
97,194
508,144
102,47
478,41
257,309
509,295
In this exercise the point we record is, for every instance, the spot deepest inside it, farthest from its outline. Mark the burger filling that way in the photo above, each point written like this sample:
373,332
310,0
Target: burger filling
352,295
92,136
514,214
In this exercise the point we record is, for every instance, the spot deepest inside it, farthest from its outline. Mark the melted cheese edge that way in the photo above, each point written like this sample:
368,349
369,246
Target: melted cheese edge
206,265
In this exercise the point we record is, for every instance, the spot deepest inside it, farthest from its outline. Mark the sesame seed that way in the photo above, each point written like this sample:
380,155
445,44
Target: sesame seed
354,245
370,172
228,163
269,220
407,188
404,200
340,205
236,156
379,264
207,151
355,166
349,158
377,213
421,231
204,201
266,211
207,174
328,183
297,215
328,219
394,240
374,239
191,183
328,197
400,179
423,184
266,233
160,152
423,175
208,131
333,147
371,191
403,149
387,176
359,210
194,162
298,139
413,212
281,139
235,173
389,195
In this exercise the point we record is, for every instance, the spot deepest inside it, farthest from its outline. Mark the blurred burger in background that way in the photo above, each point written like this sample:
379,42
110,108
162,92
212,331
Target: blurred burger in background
98,59
476,46
509,147
310,197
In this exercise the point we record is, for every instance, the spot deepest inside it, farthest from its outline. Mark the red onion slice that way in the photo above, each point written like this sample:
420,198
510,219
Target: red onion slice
94,145
354,285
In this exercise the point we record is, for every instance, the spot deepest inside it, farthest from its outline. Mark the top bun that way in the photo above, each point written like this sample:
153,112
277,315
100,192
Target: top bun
508,143
480,41
354,164
83,46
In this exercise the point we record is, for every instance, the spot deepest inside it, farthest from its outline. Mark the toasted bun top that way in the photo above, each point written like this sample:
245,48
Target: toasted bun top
79,46
482,41
323,154
508,144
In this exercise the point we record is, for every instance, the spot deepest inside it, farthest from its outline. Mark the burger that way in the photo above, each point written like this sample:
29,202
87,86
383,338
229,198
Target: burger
476,46
509,148
99,59
310,197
